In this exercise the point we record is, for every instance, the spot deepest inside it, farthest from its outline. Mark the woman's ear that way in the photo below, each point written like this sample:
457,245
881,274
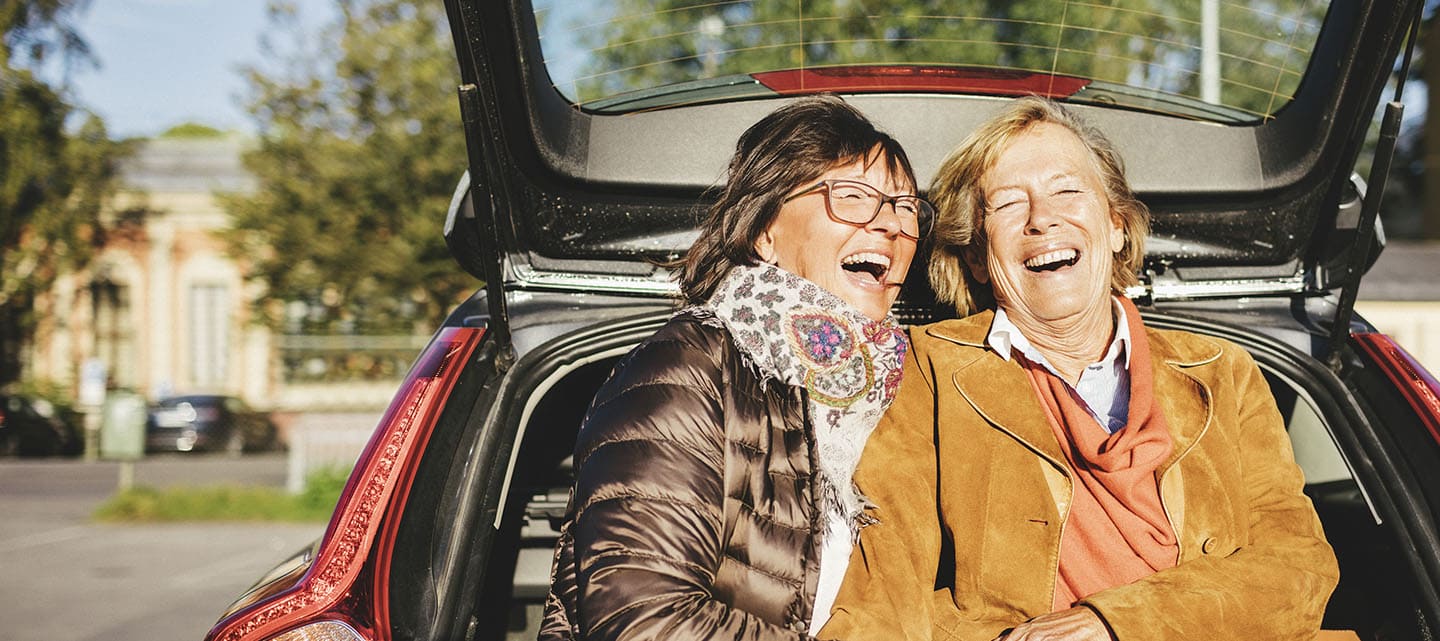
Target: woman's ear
765,247
976,263
1117,234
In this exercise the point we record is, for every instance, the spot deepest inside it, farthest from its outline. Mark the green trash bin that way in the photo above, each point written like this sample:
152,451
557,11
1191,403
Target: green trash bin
122,426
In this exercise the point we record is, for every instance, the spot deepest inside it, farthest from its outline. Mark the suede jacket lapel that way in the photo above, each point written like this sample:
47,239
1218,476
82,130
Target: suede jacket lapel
1182,365
998,389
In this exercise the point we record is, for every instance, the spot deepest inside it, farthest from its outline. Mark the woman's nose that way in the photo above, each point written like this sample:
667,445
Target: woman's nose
1041,216
887,220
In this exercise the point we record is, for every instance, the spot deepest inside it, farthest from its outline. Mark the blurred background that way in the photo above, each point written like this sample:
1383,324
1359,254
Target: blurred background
235,202
220,247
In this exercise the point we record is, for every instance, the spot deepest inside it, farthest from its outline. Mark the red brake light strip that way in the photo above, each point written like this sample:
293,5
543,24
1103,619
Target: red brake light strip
1418,386
344,551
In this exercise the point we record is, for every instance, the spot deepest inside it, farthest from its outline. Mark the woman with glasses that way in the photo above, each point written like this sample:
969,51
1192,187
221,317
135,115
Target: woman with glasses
713,495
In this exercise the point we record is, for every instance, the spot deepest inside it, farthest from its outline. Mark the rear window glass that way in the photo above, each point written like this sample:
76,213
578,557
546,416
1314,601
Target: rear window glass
1224,61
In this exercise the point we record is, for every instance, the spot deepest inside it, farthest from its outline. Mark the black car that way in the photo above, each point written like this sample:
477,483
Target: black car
594,128
207,423
33,427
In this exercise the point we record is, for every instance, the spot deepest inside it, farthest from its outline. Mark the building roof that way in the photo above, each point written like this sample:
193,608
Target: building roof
188,165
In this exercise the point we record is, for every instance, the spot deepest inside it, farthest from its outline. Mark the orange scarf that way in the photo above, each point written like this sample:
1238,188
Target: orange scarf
1117,531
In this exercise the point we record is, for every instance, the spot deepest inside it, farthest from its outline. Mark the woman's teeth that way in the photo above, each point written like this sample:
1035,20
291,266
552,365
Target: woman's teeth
1053,260
871,263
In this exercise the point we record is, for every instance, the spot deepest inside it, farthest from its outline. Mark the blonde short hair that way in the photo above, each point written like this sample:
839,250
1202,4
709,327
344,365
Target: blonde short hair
960,202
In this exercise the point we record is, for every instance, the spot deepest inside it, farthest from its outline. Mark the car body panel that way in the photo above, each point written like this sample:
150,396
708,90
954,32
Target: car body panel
338,581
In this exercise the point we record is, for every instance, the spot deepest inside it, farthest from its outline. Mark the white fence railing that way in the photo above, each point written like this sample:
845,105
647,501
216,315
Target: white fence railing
326,440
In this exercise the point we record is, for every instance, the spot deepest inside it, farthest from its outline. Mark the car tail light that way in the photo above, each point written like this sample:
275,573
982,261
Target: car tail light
337,599
1418,386
322,631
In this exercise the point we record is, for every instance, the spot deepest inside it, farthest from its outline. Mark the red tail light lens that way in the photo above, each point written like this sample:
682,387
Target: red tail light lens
335,587
1418,386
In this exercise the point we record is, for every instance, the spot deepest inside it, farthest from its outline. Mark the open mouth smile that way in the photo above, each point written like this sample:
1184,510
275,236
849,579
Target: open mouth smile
1051,261
871,264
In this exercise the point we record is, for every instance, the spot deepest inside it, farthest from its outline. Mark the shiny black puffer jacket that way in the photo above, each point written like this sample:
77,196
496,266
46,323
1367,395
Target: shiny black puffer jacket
691,516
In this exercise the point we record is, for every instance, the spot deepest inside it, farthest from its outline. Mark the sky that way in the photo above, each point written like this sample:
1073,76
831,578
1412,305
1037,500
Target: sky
166,62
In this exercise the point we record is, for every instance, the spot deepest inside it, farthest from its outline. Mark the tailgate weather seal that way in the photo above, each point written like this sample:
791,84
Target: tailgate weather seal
527,277
1169,290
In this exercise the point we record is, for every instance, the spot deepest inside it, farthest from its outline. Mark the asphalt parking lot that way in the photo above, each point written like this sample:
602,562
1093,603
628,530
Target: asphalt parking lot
66,577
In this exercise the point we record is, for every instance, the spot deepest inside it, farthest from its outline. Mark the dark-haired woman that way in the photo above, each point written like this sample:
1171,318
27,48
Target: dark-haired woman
713,495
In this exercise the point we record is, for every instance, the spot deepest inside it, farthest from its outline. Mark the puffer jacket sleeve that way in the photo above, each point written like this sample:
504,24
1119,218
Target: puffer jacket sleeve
647,530
1273,586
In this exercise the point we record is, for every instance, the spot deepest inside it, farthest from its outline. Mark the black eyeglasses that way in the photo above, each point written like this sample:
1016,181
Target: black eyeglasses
856,203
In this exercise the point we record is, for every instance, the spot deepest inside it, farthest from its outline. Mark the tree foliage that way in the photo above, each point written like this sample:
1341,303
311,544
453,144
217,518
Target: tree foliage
54,179
32,31
192,130
359,154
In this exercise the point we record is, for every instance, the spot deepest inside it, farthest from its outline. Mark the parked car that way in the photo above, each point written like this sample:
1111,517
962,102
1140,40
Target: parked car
587,156
207,423
34,427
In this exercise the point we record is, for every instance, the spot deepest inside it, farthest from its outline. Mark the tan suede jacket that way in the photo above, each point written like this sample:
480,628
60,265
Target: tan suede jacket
972,492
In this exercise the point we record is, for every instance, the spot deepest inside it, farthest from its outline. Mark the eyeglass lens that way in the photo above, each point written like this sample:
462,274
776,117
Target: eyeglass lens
858,204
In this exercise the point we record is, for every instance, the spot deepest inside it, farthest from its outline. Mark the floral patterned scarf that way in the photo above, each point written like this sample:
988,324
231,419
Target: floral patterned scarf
794,331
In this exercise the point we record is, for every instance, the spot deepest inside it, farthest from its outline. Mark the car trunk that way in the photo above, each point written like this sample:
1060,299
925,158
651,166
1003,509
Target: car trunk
569,195
502,557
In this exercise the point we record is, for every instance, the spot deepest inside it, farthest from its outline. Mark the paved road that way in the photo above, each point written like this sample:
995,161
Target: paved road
63,577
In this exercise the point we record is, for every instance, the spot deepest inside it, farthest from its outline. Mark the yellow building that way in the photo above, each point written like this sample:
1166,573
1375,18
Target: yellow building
166,311
162,307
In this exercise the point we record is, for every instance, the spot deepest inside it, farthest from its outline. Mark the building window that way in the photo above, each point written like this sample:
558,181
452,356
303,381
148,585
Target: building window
114,331
209,334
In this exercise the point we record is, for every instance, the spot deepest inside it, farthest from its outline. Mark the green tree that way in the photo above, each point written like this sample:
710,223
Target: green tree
192,130
53,180
359,153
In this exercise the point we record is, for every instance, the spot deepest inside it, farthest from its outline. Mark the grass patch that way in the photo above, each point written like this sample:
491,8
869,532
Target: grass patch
227,502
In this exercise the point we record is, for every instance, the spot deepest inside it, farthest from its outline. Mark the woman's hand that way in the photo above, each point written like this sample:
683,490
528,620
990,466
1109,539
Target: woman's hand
1075,624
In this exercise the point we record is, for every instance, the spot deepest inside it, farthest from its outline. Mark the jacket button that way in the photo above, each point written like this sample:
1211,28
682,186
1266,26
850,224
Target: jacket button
1209,545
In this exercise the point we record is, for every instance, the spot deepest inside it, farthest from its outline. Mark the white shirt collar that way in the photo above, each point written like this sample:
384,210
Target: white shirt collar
1005,336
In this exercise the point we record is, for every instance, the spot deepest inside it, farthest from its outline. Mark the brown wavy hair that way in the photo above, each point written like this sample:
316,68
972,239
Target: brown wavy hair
786,150
960,202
